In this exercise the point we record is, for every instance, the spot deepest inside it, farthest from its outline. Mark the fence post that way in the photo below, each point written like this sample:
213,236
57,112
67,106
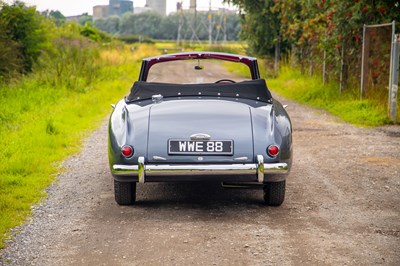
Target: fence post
343,71
277,55
394,82
324,74
364,61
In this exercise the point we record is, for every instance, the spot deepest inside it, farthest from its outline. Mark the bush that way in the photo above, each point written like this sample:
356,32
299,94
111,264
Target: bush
72,63
132,38
21,31
94,34
10,57
29,40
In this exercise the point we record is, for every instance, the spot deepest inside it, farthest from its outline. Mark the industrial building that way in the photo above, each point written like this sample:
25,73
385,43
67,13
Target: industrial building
160,6
115,8
120,7
100,12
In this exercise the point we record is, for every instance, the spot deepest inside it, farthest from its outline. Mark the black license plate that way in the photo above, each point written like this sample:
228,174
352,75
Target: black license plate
203,147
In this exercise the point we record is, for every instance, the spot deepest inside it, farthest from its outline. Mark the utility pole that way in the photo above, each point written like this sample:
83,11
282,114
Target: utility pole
277,54
181,21
209,24
364,61
394,75
193,6
224,28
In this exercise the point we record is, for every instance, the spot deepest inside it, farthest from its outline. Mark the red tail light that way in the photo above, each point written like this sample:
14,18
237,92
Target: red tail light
127,151
273,150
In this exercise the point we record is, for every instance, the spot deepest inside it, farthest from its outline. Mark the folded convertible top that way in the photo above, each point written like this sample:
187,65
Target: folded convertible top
253,89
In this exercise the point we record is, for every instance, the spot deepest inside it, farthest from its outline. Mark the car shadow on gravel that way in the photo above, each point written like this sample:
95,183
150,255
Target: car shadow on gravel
200,194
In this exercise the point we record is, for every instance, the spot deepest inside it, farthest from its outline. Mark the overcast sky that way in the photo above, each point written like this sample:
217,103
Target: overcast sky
77,7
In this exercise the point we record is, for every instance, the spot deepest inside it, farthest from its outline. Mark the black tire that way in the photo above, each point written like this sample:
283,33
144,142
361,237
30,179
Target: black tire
274,193
125,192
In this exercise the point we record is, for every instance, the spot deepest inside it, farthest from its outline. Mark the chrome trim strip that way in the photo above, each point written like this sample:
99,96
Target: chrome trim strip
241,159
193,169
159,158
125,169
276,168
260,168
200,136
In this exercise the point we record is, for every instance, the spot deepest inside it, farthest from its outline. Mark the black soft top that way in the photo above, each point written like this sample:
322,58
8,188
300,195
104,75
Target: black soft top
252,89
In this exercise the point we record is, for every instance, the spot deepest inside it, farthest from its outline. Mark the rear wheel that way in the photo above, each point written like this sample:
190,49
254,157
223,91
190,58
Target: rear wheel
274,193
125,192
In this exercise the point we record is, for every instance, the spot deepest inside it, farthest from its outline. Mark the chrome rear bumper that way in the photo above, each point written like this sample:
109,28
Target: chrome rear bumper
260,169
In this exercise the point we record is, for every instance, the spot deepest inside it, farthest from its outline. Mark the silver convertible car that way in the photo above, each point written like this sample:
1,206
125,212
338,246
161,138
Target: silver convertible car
188,118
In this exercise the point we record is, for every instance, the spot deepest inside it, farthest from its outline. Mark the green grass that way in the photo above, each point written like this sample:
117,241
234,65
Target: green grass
238,69
41,125
228,47
293,85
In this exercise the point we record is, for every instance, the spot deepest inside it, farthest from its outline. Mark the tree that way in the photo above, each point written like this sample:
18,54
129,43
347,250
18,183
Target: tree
169,27
22,30
84,18
110,24
147,23
260,24
58,18
10,57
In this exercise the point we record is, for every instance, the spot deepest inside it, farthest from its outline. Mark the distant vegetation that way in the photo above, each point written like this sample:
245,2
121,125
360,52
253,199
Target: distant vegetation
153,25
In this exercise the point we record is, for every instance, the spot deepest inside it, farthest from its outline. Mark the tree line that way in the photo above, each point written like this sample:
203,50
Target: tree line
187,25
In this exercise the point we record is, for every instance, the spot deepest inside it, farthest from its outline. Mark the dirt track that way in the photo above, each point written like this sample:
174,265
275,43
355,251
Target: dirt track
342,208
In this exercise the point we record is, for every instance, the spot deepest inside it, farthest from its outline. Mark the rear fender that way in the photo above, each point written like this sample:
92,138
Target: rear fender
283,129
121,132
271,125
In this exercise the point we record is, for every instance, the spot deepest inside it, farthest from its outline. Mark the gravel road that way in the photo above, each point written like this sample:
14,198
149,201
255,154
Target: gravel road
342,208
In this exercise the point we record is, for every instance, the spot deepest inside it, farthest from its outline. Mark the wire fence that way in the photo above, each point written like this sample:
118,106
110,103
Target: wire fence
372,65
379,67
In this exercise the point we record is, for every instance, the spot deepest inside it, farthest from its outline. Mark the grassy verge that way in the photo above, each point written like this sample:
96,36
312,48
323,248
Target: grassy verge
42,124
291,84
